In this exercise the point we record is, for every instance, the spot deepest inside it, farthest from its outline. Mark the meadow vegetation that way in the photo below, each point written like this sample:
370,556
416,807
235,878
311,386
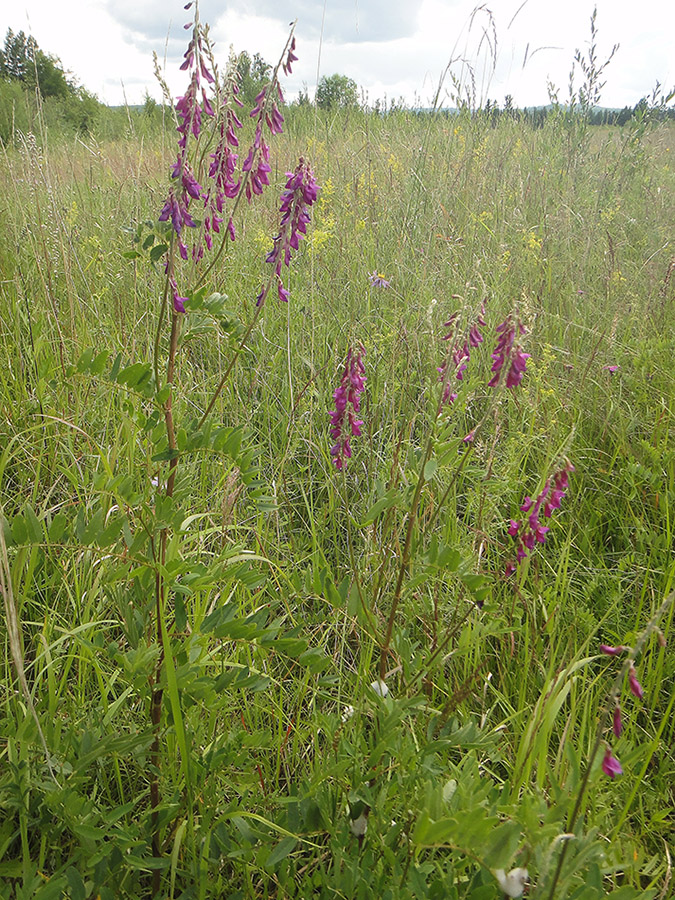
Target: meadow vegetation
232,668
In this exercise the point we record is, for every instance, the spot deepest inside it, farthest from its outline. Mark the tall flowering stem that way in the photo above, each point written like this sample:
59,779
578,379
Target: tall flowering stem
344,423
199,207
459,353
508,356
255,169
455,365
610,764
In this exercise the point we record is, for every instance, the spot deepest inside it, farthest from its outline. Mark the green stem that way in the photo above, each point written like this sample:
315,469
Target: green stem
603,724
405,558
235,357
160,602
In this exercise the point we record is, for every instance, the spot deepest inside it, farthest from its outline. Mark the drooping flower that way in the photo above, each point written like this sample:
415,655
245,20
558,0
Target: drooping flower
612,651
290,58
344,423
377,279
634,684
178,302
266,111
611,765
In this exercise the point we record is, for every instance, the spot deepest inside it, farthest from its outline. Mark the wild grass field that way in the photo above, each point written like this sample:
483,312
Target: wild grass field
231,668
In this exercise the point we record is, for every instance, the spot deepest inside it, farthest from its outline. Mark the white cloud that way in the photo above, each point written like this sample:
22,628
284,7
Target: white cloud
397,47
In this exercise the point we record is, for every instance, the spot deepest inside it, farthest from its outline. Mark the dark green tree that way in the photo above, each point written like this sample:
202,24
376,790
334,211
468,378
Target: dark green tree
22,60
254,73
336,91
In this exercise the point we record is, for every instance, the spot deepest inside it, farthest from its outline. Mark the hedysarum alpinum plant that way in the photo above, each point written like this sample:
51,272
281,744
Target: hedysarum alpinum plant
208,121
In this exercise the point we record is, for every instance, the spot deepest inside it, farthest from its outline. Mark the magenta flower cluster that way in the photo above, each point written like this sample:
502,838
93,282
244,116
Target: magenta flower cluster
508,356
460,353
610,764
530,531
189,110
222,172
299,194
344,421
224,182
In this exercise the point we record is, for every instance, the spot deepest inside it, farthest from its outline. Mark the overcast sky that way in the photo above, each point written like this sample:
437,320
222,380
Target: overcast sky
389,47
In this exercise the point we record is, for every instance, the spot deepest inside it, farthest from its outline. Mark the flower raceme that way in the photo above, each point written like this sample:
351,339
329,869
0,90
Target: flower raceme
344,423
530,531
508,356
610,765
221,182
460,352
298,196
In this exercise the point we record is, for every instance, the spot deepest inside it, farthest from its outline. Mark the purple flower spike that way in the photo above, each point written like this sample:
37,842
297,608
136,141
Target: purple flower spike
531,531
617,725
459,353
290,58
348,393
299,194
634,684
507,356
611,765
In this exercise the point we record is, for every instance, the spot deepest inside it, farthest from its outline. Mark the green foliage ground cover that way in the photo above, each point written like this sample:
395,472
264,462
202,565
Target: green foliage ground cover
274,743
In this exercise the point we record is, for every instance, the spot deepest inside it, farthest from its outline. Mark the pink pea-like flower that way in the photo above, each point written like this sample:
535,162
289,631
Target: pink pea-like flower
298,196
611,765
531,531
634,684
612,651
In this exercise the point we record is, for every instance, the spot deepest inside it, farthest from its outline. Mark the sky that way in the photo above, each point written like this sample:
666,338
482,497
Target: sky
391,48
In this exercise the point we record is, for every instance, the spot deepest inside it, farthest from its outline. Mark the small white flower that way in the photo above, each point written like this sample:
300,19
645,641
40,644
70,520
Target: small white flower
380,688
347,713
513,883
359,826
